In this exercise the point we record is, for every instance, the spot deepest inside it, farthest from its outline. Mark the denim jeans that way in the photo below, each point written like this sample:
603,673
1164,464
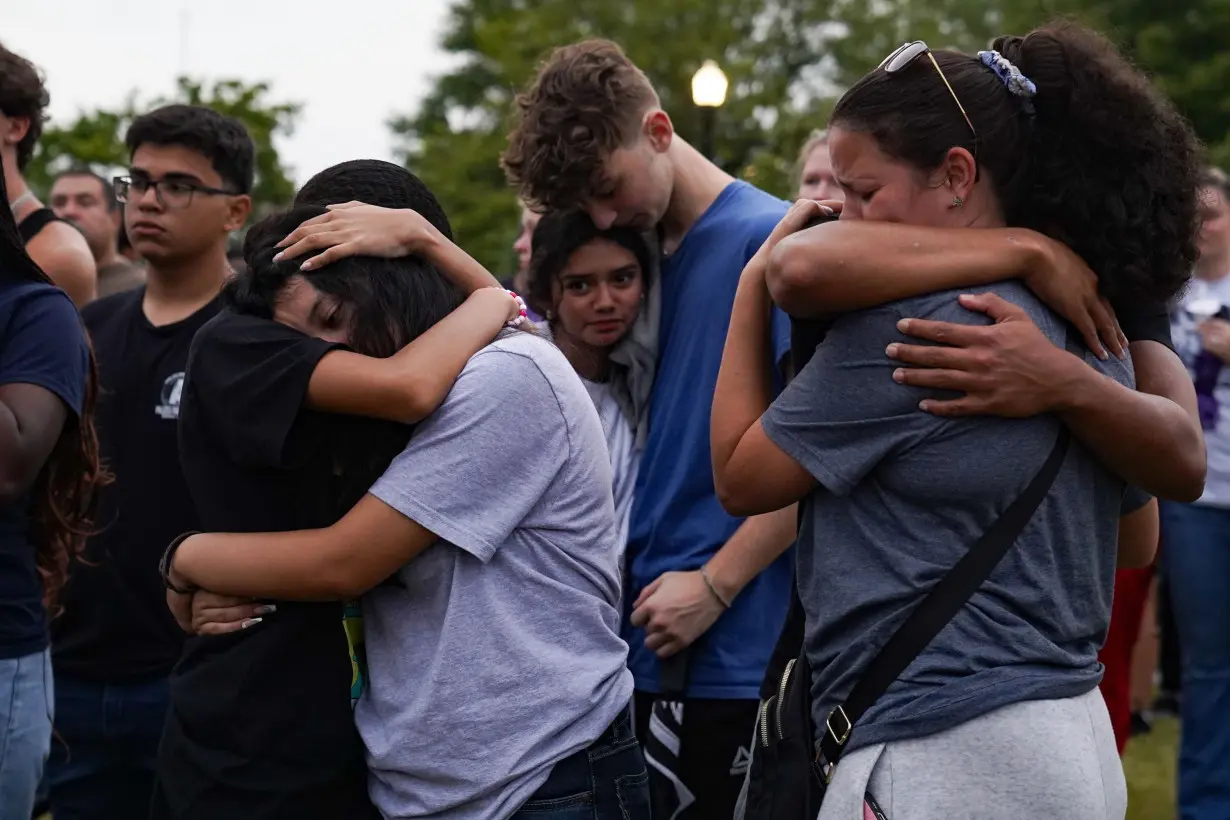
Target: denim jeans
1196,555
106,745
607,781
26,707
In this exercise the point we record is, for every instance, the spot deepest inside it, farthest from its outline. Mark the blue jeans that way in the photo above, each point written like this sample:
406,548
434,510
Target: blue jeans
607,781
26,704
1196,556
102,760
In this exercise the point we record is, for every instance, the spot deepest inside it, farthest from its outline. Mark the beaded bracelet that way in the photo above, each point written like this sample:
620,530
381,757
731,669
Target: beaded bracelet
522,312
168,558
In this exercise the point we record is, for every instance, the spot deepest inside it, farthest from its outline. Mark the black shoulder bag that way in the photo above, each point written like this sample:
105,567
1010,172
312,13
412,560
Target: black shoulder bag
788,777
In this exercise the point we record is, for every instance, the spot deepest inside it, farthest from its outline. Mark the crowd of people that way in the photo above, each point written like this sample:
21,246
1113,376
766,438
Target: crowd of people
348,528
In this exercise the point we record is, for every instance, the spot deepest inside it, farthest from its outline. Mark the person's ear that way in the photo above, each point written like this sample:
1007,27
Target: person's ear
960,172
239,208
658,129
14,129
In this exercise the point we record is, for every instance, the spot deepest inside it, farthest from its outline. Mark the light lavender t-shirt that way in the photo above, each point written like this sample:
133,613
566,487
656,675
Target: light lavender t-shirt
496,653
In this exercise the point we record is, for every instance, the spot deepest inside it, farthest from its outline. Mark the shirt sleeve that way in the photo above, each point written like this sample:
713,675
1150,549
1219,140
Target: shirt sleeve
249,378
45,345
1134,499
1150,324
780,330
843,413
480,464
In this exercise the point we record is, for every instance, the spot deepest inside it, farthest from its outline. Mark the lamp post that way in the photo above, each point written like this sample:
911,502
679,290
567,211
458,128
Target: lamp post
709,86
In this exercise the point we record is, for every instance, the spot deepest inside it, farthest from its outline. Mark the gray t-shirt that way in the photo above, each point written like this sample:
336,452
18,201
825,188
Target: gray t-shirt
496,653
904,496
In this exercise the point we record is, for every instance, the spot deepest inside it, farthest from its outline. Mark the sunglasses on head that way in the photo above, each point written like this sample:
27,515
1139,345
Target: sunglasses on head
907,54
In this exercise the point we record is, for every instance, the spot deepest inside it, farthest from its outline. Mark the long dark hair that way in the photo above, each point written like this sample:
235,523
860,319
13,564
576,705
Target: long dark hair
64,498
558,236
390,302
1103,163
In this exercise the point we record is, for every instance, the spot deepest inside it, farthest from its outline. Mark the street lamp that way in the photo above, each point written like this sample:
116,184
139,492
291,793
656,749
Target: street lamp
709,86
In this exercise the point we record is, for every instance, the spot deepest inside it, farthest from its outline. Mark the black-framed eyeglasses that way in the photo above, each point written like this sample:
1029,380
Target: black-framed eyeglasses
907,54
171,193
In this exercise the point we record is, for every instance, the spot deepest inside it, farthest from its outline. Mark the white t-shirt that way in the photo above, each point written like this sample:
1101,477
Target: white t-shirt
625,457
1202,300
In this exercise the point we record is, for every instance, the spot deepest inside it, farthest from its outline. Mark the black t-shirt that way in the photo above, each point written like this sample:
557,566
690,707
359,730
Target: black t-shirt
115,626
260,724
1141,325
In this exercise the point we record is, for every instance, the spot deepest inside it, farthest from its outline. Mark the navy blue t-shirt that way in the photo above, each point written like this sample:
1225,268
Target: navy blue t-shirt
677,522
42,343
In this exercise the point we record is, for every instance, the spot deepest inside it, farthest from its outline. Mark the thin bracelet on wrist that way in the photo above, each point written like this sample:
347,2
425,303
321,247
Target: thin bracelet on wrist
704,574
168,558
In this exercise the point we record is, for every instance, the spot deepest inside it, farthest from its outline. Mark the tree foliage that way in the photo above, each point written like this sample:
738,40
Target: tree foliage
786,59
96,138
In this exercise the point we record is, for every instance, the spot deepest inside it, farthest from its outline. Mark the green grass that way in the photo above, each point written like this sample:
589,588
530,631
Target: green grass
1149,765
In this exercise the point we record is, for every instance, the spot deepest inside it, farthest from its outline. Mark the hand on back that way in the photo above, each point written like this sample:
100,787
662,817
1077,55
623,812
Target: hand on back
1010,368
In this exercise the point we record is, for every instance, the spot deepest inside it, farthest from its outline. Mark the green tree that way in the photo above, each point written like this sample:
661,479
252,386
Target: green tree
96,138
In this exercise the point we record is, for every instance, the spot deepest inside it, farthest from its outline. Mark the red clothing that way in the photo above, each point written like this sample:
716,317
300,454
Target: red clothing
1131,595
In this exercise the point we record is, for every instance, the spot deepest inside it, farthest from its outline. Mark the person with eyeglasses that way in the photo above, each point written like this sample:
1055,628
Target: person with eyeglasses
1040,140
113,648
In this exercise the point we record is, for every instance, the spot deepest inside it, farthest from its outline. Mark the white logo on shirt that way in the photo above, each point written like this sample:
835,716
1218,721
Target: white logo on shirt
172,390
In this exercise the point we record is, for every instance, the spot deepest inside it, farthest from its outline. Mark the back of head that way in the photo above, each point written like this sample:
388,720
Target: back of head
587,100
22,94
390,302
559,235
1097,159
221,139
374,182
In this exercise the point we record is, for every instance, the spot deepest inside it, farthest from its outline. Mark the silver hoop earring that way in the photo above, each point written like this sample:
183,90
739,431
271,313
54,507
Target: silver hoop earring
957,202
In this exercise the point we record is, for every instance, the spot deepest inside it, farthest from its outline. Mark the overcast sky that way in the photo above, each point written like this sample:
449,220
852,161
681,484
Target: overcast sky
351,63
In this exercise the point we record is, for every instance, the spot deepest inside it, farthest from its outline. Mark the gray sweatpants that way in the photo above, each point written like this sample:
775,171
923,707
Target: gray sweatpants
1053,759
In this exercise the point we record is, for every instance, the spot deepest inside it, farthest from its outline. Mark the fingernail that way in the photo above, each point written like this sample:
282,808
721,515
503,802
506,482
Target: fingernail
266,609
899,375
924,406
306,265
904,325
891,351
250,622
826,210
1101,351
277,257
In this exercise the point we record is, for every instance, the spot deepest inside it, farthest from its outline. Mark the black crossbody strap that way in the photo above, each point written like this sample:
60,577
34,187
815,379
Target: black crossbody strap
941,604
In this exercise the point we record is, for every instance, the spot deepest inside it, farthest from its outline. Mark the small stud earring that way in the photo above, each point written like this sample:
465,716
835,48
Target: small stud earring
957,202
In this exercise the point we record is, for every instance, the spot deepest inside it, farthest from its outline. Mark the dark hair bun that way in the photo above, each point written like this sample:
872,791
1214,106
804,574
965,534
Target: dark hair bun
1115,158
